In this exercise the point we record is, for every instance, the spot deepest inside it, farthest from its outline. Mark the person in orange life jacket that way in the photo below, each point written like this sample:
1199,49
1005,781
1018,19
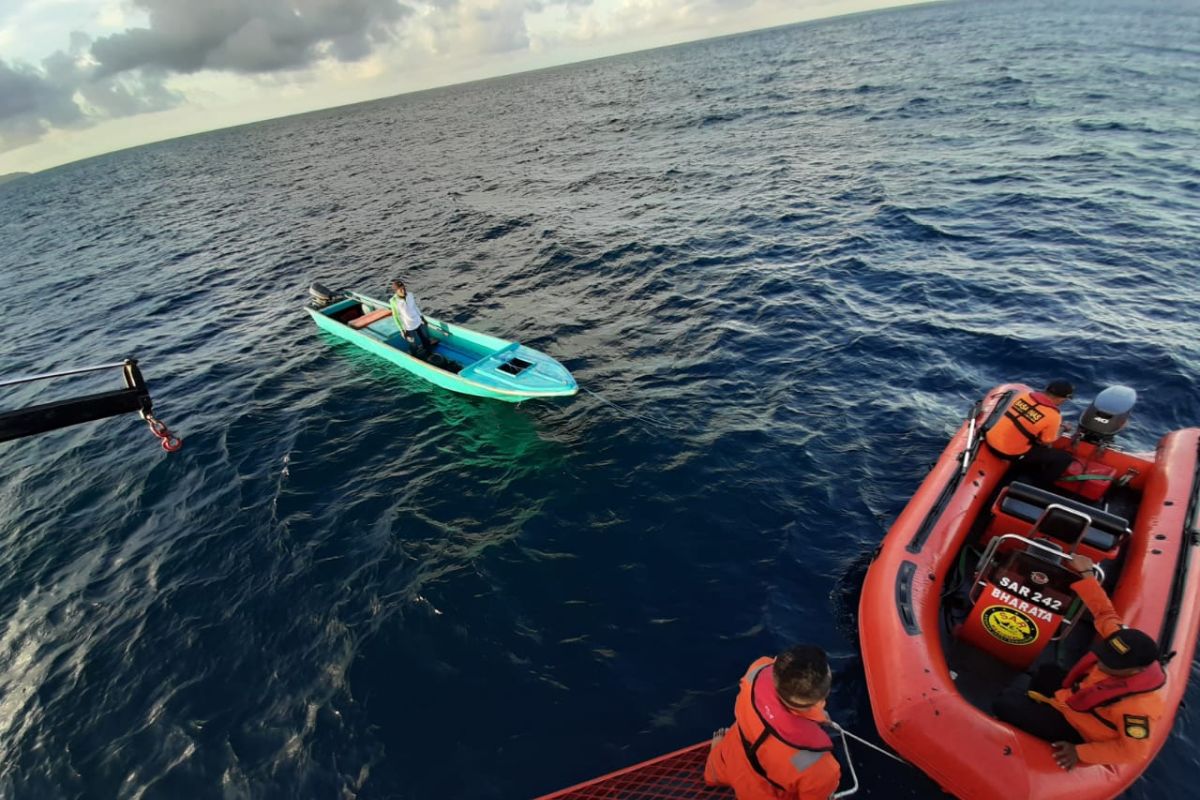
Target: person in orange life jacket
1028,429
1103,709
410,320
776,748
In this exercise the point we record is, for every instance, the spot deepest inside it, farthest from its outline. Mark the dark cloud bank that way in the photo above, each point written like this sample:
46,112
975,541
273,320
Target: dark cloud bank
125,72
249,37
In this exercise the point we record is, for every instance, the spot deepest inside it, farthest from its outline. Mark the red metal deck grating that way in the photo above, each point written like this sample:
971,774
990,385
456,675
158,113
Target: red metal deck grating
675,776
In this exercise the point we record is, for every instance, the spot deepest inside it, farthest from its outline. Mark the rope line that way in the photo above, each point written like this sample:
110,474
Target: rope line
871,745
659,421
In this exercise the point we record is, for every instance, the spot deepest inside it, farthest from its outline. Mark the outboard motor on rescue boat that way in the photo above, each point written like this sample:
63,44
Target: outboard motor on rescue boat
1101,421
321,295
1088,476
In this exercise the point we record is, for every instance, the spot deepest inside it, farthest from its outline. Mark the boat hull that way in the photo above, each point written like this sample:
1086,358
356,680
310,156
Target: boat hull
916,704
481,378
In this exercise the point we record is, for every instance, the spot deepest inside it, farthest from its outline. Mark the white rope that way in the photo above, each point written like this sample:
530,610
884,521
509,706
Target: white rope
861,740
659,421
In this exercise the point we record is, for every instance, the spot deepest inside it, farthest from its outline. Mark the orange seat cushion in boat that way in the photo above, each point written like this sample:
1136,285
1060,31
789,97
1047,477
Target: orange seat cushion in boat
370,319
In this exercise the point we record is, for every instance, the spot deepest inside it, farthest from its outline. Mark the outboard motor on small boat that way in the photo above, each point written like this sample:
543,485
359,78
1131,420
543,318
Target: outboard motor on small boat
321,295
1101,421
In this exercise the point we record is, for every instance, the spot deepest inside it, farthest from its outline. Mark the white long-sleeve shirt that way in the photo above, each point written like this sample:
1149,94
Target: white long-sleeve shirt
406,312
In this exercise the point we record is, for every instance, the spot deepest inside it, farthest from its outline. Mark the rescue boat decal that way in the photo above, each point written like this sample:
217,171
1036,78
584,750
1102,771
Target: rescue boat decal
1009,625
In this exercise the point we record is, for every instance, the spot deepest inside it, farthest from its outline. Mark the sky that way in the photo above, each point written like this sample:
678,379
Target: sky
83,77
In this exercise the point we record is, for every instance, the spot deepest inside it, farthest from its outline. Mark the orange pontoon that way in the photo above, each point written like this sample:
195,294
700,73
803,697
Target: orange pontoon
969,593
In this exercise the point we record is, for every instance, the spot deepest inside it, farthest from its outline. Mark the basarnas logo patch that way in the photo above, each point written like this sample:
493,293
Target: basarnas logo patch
1009,625
1137,727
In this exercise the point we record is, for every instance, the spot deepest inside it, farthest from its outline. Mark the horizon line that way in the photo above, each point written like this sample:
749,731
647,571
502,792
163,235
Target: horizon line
901,6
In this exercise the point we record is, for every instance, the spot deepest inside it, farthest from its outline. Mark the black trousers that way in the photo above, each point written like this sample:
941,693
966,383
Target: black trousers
1043,721
1043,465
419,341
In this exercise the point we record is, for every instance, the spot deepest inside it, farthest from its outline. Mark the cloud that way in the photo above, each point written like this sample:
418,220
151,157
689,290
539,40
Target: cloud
30,104
249,36
272,42
649,23
66,93
478,27
126,73
250,53
485,27
538,6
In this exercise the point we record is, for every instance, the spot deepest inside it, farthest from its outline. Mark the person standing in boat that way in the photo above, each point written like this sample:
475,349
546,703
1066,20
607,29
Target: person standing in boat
776,748
410,320
1102,711
1027,431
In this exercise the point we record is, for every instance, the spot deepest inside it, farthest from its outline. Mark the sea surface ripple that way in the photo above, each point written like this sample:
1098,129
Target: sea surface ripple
797,256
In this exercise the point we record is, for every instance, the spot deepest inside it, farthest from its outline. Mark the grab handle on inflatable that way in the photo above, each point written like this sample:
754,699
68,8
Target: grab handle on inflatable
969,450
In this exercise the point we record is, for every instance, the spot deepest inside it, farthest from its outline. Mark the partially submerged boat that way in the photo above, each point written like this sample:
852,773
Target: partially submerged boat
464,360
969,593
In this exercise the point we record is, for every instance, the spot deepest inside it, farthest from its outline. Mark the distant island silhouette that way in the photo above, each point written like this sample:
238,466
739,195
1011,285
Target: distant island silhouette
12,176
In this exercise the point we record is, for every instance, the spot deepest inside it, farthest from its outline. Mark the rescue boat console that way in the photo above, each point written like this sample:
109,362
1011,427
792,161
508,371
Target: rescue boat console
1019,598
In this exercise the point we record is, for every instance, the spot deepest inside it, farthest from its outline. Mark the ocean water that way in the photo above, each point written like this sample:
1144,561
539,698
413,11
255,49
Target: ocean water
793,258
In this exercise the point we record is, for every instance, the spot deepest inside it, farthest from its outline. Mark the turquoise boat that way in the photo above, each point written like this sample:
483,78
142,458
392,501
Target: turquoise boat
463,361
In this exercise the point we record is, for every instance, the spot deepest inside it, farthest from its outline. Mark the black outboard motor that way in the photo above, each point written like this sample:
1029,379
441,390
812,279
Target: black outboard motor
321,295
1106,416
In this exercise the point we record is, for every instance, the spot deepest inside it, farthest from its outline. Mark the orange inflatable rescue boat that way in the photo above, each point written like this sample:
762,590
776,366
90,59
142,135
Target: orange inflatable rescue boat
970,593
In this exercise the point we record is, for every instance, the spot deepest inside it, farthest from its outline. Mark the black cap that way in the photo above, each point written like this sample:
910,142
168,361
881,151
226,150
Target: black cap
1060,388
1125,649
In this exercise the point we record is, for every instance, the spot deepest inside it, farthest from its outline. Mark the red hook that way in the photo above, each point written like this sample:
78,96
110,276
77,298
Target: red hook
170,442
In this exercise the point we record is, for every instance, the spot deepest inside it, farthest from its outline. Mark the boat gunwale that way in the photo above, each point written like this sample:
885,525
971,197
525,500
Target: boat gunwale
529,394
950,704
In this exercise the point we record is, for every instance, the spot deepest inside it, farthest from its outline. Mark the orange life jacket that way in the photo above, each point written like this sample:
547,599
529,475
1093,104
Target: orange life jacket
1109,690
1030,419
772,753
1113,715
774,723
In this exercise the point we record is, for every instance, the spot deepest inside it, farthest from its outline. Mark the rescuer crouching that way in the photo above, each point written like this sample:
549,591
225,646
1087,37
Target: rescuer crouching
1103,709
1025,434
776,747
